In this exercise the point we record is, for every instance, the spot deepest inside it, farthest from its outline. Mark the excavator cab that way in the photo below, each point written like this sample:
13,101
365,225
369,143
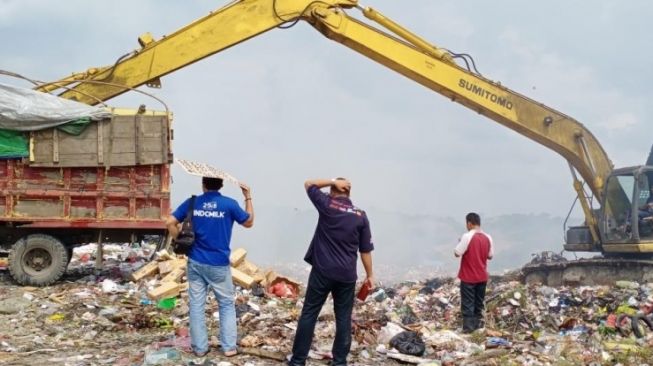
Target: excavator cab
628,213
625,222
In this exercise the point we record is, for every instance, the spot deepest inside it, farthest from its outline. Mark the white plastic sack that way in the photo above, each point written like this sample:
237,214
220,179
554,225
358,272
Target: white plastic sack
24,109
390,330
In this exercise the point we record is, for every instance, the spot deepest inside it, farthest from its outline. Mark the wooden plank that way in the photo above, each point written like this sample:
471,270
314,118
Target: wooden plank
248,267
164,291
100,142
72,160
164,255
123,145
242,279
55,145
137,140
147,270
259,277
123,159
170,265
175,275
166,267
78,146
237,256
152,157
163,126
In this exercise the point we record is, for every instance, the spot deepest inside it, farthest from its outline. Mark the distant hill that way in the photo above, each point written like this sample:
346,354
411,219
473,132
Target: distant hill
404,243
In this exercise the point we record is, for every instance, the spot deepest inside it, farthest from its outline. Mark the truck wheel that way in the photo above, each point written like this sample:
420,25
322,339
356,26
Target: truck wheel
38,260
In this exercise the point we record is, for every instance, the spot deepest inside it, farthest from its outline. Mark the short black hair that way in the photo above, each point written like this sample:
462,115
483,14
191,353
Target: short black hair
212,184
473,218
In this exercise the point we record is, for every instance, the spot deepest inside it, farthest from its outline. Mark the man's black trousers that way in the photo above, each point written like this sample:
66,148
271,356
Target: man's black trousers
472,298
318,289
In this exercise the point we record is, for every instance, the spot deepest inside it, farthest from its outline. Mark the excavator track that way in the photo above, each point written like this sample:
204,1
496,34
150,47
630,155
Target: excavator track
591,271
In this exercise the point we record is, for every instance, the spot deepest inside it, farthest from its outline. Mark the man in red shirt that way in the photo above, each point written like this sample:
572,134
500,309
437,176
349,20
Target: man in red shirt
475,248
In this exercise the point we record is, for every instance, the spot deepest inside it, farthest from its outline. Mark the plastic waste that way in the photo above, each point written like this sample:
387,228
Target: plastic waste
85,257
575,331
181,343
161,355
627,285
494,342
408,343
242,309
108,311
283,290
379,295
56,317
167,304
388,332
407,315
390,292
109,286
258,290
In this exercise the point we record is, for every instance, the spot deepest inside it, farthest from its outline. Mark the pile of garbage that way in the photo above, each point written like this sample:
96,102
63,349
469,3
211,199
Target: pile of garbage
112,317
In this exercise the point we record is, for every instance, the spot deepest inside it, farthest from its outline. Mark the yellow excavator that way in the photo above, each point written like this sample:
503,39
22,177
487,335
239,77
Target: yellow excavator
614,201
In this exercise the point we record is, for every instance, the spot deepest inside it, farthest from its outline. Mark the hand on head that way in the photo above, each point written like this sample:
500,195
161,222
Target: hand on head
342,185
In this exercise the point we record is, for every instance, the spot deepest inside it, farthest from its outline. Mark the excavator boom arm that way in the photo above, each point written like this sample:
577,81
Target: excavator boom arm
395,48
221,29
534,120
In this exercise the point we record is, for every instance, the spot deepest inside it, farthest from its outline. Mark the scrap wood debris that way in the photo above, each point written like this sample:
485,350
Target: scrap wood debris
171,270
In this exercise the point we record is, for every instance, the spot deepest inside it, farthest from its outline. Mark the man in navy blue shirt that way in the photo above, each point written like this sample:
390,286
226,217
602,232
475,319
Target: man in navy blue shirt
342,231
208,260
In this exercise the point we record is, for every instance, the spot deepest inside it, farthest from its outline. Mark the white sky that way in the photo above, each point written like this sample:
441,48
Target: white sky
291,105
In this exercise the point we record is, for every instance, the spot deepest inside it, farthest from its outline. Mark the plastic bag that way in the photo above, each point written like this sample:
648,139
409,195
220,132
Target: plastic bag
408,343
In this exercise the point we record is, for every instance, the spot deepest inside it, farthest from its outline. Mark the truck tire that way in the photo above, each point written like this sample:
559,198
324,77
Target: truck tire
638,330
38,260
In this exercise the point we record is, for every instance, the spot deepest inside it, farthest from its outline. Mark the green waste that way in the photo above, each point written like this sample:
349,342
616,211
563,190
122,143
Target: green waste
167,304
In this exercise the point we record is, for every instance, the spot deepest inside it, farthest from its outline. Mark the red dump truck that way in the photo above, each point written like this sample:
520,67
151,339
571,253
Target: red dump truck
109,183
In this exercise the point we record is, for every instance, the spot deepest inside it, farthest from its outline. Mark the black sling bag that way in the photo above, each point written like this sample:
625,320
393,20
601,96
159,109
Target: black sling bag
184,241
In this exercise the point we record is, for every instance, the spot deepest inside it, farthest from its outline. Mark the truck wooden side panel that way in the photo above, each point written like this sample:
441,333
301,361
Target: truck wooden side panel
118,197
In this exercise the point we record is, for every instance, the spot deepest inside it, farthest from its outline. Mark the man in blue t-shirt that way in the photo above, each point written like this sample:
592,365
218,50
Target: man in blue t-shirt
342,232
208,260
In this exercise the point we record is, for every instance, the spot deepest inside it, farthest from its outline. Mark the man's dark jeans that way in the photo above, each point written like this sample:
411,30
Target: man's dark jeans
318,289
472,298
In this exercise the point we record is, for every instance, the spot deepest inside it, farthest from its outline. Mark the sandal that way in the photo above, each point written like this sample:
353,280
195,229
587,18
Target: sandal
231,353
